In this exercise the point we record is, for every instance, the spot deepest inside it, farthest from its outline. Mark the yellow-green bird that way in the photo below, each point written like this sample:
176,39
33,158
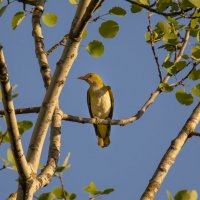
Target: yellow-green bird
100,103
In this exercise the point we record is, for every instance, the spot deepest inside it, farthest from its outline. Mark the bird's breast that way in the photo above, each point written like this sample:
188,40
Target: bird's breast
101,104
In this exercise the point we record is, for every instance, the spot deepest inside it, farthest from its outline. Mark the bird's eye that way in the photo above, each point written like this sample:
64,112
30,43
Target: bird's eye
90,76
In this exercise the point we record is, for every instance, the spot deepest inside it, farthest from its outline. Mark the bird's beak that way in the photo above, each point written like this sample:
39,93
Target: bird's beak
82,78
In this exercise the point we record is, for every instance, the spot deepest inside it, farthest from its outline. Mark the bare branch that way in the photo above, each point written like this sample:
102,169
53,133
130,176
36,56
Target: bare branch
149,8
39,44
54,152
171,154
54,47
11,121
152,46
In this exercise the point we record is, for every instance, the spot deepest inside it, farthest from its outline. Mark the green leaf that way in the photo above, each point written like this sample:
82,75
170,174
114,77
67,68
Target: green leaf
196,90
1,1
170,38
185,56
4,137
84,34
17,19
166,87
198,36
95,48
24,126
65,164
169,195
108,191
195,74
50,19
46,196
58,192
91,188
73,2
11,159
144,2
117,11
164,27
183,97
162,5
186,195
185,4
2,10
72,196
196,3
196,52
109,29
135,8
5,162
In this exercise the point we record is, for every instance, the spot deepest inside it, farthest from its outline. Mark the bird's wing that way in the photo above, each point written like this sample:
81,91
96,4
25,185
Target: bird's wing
112,101
89,104
91,114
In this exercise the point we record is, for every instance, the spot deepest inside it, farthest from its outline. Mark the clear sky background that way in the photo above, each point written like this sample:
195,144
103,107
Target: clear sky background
129,68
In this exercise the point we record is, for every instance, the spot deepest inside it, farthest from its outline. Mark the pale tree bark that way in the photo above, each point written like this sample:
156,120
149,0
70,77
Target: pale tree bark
11,121
171,154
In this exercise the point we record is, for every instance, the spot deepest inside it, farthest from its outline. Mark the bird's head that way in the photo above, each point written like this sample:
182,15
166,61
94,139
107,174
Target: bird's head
92,79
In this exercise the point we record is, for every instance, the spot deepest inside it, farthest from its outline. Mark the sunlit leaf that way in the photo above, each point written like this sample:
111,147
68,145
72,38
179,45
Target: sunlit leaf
17,19
183,97
196,3
91,188
95,48
186,195
2,10
84,34
50,19
65,164
59,193
11,159
169,195
24,126
46,196
162,5
166,87
164,27
117,11
196,90
109,29
73,2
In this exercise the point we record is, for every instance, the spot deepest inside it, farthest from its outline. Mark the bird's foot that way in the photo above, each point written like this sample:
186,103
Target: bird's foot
98,120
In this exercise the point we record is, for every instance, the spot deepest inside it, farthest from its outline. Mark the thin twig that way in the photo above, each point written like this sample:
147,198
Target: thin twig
152,46
54,47
186,76
62,186
156,11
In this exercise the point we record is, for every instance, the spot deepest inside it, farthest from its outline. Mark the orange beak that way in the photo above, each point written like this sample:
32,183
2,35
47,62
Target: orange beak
82,78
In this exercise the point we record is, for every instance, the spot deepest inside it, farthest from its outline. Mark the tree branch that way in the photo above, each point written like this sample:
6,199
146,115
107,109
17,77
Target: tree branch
152,46
84,11
11,121
54,152
149,8
54,47
171,154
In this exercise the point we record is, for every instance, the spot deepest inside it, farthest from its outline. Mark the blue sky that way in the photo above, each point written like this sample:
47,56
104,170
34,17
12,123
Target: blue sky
129,68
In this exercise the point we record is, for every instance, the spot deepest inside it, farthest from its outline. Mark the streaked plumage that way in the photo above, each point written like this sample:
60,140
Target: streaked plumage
100,104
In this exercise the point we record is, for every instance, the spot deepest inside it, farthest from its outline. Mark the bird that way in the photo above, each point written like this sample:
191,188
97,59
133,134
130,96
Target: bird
100,104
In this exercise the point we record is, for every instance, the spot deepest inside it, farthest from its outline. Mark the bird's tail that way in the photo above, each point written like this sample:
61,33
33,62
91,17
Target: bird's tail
104,142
